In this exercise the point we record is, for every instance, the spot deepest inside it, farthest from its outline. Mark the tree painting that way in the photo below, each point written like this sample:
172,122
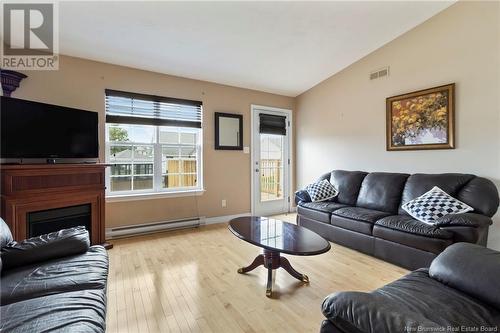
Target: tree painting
420,119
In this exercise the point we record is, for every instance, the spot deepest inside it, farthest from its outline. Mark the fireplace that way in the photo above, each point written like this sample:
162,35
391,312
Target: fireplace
50,220
40,198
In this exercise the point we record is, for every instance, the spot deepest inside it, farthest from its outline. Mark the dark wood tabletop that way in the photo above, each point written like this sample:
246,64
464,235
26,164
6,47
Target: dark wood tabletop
279,236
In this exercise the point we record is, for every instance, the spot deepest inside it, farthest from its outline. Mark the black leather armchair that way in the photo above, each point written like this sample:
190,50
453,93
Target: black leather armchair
54,282
459,291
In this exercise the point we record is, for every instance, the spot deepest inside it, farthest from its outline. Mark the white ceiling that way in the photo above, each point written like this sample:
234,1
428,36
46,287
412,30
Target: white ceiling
279,47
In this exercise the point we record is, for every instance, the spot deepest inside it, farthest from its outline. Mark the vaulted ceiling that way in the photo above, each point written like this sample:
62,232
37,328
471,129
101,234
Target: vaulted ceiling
278,47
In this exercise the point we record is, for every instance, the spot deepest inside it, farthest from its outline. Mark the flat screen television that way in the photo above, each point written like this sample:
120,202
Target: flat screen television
38,130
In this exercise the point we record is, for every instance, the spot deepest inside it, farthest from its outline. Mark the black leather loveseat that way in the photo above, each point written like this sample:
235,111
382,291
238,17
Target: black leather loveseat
458,293
367,215
52,283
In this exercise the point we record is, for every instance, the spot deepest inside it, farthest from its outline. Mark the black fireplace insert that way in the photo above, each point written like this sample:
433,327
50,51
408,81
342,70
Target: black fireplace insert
46,221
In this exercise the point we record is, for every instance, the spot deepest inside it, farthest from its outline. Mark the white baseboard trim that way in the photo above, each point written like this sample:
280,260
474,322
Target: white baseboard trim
221,219
148,228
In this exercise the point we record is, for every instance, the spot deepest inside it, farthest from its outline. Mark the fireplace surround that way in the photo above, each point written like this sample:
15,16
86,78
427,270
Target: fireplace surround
32,193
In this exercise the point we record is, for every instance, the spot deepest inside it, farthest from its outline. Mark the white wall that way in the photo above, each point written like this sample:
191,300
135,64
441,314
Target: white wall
341,121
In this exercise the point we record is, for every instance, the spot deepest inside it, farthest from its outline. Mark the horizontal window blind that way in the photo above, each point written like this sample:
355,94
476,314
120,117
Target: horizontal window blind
132,108
271,124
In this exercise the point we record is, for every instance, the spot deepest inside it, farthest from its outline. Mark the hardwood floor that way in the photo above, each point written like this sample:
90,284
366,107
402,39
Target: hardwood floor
186,281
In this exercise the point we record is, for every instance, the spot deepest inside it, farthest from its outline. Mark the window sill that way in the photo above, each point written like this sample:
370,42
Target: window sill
157,195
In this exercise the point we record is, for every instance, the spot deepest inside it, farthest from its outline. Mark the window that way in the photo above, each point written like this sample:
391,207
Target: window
152,143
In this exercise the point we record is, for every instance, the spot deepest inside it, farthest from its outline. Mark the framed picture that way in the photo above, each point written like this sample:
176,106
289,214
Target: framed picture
422,119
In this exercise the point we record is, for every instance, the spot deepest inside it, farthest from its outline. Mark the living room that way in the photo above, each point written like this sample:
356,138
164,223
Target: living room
157,154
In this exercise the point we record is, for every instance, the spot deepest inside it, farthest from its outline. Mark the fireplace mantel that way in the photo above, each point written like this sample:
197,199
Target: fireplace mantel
29,188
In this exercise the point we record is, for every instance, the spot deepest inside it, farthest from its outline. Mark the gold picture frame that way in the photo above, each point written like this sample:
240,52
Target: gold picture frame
421,120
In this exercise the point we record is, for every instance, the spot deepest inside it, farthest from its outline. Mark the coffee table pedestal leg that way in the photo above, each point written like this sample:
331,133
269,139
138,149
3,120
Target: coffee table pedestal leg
258,261
285,264
272,260
269,286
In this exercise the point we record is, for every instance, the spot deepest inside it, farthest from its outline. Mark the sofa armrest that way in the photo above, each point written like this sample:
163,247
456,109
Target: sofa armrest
328,326
465,220
470,268
57,244
362,312
338,304
302,196
467,234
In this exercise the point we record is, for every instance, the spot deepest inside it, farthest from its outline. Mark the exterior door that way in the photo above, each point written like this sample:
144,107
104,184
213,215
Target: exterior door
270,160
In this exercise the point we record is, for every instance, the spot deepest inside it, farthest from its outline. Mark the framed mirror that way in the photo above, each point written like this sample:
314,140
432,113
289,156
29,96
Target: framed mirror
228,131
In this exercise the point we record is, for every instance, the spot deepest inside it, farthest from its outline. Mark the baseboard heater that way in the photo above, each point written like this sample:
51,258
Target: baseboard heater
148,228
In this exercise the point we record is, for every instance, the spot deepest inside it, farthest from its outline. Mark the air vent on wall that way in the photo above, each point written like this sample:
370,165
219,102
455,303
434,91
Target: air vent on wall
384,72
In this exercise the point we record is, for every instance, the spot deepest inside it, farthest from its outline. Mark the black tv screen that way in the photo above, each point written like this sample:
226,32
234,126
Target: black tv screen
38,130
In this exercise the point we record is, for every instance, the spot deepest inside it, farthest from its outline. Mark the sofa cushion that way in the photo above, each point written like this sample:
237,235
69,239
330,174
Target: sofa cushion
352,225
320,211
356,219
408,224
348,184
84,271
412,233
471,268
405,305
360,214
77,311
382,191
420,183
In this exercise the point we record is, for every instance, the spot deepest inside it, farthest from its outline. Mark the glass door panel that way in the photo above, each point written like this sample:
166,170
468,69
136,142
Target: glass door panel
271,167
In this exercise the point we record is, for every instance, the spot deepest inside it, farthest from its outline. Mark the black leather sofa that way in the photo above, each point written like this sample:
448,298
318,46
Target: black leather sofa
52,283
458,293
367,215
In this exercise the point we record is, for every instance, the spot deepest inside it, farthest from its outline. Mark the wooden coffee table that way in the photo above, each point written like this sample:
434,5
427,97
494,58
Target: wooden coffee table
277,237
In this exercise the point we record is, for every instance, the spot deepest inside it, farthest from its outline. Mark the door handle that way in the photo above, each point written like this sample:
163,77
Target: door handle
256,170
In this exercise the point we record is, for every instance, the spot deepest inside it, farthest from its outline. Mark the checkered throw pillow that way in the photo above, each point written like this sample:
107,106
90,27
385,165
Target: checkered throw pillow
321,191
434,204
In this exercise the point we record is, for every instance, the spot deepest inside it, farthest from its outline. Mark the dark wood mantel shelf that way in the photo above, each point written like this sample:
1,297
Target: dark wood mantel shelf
28,188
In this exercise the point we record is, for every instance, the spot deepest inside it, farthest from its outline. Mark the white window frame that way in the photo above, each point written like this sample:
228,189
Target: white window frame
157,190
